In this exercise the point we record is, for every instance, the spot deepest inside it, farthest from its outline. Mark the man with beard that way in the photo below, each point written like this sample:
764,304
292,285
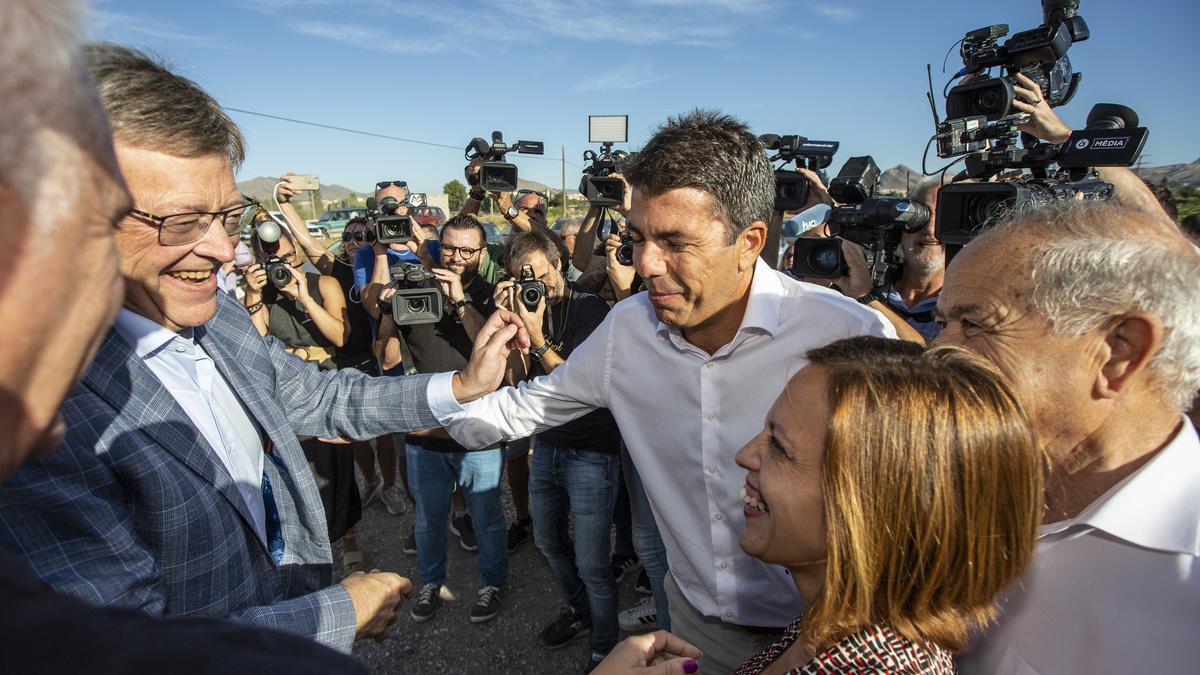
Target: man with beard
436,463
914,296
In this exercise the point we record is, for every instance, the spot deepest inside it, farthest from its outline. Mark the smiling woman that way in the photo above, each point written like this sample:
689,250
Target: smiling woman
902,496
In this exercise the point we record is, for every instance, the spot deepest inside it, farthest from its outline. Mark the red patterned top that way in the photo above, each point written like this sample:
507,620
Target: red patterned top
874,651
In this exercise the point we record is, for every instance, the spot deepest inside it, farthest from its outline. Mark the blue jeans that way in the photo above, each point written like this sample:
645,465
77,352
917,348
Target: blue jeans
646,540
432,476
582,485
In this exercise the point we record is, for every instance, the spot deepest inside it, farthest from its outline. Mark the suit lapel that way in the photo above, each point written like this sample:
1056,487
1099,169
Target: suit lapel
127,384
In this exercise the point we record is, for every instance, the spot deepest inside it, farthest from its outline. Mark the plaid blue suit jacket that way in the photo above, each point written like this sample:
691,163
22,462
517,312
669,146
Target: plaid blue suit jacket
134,509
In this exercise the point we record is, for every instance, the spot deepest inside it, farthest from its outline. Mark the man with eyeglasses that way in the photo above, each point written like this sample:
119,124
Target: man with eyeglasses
436,463
179,487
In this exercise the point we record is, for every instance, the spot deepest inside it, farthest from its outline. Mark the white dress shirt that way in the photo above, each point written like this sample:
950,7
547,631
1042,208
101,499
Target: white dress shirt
192,379
684,415
1115,589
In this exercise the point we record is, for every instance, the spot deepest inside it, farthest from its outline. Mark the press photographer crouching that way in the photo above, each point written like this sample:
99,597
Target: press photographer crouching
575,470
439,339
306,311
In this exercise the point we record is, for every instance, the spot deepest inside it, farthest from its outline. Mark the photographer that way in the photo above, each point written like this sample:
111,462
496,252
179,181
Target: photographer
436,463
372,264
575,468
317,254
914,295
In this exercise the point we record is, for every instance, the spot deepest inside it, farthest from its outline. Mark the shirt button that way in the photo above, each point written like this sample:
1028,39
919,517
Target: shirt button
711,469
719,517
723,565
710,418
728,614
709,364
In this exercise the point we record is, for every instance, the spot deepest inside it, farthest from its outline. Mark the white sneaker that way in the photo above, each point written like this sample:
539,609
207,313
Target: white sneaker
394,499
370,491
640,618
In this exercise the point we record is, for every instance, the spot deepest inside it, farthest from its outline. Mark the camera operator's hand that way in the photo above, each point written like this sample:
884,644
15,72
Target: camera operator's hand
449,283
375,596
502,333
1045,124
657,653
504,201
256,279
285,192
533,320
626,203
621,276
504,295
471,172
296,289
858,282
817,192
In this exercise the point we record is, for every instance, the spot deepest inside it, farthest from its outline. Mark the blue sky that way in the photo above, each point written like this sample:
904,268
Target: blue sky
444,72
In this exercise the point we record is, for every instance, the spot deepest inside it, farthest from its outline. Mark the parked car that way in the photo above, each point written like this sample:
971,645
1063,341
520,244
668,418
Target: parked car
334,220
428,215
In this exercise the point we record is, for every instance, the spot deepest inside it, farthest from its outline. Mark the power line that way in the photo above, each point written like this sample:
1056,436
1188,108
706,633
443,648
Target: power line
370,133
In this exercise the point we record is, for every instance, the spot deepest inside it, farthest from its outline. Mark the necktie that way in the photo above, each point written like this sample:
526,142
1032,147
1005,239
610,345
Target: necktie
274,531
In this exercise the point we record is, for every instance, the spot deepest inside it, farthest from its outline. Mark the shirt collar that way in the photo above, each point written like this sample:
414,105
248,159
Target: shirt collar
145,336
762,310
1158,506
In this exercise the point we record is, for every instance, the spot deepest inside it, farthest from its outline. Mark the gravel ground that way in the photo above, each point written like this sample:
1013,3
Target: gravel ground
449,642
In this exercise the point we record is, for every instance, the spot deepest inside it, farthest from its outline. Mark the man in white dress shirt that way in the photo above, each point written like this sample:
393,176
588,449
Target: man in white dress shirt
689,369
1093,310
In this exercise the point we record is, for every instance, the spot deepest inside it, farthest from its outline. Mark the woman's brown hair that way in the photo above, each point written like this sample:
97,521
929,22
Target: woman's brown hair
932,484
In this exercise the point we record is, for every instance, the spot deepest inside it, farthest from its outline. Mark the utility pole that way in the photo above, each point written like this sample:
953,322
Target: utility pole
563,196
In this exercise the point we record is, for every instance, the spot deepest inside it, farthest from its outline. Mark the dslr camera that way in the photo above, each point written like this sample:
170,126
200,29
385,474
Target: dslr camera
496,175
530,291
791,187
417,299
389,227
279,273
875,223
980,126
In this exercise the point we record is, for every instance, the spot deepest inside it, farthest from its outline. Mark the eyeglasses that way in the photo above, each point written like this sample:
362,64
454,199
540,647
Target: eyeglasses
388,183
179,229
361,236
465,251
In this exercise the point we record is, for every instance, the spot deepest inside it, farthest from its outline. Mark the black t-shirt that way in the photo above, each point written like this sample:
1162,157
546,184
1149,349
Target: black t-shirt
445,346
358,348
572,320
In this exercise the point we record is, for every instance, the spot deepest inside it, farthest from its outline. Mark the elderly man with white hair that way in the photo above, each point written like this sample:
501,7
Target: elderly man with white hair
1093,311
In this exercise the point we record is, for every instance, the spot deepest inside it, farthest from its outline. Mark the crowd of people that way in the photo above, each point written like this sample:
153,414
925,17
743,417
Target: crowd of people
984,466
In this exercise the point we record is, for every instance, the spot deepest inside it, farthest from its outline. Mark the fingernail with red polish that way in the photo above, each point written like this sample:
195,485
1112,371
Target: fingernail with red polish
690,666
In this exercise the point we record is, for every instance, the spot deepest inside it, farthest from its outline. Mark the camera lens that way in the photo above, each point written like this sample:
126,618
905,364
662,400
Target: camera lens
826,259
415,305
531,296
625,254
990,101
985,210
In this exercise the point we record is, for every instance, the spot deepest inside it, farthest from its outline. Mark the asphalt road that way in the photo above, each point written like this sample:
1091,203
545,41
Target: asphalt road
449,642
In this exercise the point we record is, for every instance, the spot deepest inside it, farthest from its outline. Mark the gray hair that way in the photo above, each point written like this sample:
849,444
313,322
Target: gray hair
927,188
715,154
39,86
573,224
153,108
1087,268
526,244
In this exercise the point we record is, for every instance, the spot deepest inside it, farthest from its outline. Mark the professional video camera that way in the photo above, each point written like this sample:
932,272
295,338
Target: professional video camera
981,127
596,183
496,175
1040,53
791,187
279,273
875,223
389,227
530,290
417,300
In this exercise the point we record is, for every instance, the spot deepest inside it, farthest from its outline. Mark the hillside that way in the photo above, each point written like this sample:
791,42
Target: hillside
260,188
1176,174
899,179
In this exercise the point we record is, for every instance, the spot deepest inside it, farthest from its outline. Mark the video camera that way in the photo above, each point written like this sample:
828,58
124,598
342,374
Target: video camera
496,175
417,300
981,127
389,227
875,223
791,187
596,183
279,273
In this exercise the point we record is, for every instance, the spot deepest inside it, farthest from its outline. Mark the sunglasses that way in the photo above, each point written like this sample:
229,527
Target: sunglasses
362,236
388,183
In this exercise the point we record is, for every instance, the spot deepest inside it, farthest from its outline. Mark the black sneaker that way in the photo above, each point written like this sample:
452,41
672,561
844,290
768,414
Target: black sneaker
487,606
465,531
426,604
569,625
519,532
642,585
624,564
410,544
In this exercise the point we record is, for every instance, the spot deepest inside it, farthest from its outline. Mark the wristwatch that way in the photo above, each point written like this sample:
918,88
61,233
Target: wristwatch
513,211
537,354
478,196
459,304
871,296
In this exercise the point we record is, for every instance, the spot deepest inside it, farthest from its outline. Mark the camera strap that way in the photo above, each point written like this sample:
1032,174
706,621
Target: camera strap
556,338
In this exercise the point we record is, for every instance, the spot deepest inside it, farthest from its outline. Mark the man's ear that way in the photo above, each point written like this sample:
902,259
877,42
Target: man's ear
750,244
1131,340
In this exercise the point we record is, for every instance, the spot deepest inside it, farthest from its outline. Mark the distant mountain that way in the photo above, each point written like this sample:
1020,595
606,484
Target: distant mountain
261,189
899,179
523,184
1176,174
